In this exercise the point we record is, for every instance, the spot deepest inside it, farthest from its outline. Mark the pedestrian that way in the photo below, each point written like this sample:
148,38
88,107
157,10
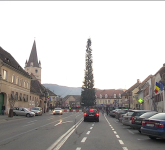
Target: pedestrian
3,109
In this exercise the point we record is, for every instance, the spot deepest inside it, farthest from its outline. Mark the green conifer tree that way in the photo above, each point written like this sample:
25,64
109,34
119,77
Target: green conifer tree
88,91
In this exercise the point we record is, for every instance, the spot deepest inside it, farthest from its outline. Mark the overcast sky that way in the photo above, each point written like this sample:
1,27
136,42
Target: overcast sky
128,39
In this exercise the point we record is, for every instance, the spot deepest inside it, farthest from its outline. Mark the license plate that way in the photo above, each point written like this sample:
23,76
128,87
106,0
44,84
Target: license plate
138,121
91,115
150,125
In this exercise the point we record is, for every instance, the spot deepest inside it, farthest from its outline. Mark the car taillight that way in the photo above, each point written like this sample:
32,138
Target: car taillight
159,125
143,123
97,114
85,114
132,118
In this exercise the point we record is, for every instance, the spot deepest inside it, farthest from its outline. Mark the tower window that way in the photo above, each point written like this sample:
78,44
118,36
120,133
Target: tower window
36,70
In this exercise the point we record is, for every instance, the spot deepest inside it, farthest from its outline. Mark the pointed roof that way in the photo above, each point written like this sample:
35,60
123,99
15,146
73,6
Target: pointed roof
33,56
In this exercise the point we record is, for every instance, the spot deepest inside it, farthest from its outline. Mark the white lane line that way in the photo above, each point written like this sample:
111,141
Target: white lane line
115,132
118,136
125,148
130,131
78,148
88,132
92,124
121,142
28,125
83,140
91,127
31,121
113,129
61,140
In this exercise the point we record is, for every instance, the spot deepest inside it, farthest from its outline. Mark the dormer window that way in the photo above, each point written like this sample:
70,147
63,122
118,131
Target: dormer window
31,64
114,95
119,95
100,96
106,96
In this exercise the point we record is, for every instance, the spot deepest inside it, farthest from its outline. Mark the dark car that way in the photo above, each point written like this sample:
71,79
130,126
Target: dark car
91,115
137,121
154,126
119,112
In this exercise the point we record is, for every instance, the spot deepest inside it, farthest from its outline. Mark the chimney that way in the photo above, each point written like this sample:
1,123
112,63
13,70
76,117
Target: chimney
138,80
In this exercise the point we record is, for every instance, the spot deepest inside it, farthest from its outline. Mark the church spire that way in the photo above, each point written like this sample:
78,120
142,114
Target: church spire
33,59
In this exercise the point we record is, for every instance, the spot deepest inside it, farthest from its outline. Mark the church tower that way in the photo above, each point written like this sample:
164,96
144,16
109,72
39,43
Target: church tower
32,66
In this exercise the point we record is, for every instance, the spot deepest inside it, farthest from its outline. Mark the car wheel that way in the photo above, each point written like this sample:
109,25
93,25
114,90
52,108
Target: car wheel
139,131
14,114
97,120
153,138
27,115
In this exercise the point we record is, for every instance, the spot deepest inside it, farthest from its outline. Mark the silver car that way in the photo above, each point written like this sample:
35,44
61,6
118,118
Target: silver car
21,111
127,119
37,110
57,111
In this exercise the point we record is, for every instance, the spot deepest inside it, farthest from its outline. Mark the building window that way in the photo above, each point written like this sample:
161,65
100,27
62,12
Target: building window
24,84
16,96
106,96
13,78
114,95
109,101
4,74
20,96
17,80
119,95
100,96
27,85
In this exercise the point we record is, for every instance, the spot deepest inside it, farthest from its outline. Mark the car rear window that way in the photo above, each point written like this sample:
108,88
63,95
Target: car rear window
147,115
57,108
130,113
92,110
160,116
122,111
138,113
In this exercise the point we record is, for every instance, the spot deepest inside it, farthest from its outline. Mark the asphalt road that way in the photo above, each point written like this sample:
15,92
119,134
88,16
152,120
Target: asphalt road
69,132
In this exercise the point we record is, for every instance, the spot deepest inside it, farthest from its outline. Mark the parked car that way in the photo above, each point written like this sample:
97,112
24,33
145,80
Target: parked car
37,110
121,117
57,111
137,121
21,111
91,115
154,126
113,112
127,119
119,112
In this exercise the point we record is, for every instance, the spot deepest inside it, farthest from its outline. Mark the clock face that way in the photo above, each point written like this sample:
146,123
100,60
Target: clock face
36,70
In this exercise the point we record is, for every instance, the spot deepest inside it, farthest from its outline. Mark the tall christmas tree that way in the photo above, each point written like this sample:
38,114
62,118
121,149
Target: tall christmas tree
88,92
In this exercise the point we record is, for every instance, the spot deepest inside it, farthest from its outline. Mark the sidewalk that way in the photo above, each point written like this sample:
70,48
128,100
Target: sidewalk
5,118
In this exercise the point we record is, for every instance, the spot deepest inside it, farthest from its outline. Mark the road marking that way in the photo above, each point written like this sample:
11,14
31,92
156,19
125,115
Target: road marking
125,148
130,131
88,132
61,140
78,148
28,125
117,136
31,121
32,130
83,140
62,123
121,142
115,132
91,127
92,124
113,129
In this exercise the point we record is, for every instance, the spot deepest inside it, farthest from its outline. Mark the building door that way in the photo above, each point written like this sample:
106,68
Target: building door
1,102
